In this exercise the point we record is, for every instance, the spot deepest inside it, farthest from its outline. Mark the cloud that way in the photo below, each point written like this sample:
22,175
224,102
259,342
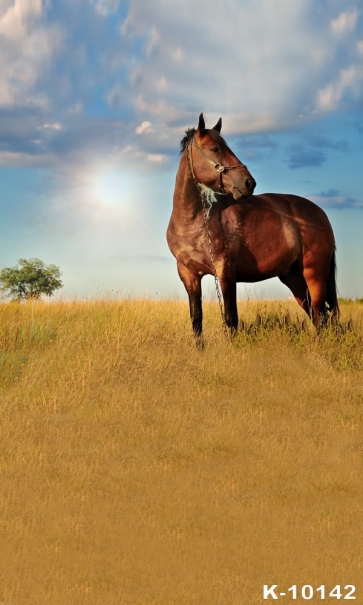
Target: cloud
18,17
322,142
302,158
13,159
26,51
106,7
52,126
155,157
333,199
256,147
345,23
313,149
154,67
143,127
256,76
349,80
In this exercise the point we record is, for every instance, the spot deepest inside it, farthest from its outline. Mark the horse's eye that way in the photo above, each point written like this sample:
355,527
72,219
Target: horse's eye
215,149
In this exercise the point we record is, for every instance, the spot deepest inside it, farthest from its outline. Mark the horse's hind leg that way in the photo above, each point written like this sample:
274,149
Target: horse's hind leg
193,285
316,282
310,292
295,281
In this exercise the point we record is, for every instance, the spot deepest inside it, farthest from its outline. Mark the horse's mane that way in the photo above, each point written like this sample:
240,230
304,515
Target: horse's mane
189,134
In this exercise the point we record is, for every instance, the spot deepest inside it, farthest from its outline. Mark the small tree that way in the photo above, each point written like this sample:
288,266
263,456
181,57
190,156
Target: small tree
30,279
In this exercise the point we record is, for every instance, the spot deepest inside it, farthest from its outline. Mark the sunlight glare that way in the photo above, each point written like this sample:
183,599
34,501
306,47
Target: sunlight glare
113,189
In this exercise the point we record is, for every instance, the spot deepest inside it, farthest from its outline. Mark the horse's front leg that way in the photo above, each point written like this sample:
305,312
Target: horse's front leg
229,291
193,285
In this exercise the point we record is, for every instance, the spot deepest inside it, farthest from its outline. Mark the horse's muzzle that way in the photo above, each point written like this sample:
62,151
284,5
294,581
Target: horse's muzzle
248,189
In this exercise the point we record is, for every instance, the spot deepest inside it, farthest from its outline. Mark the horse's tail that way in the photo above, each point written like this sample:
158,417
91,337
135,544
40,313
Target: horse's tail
331,289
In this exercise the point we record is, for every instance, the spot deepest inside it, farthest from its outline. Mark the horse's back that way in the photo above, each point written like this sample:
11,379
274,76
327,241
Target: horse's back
293,207
270,213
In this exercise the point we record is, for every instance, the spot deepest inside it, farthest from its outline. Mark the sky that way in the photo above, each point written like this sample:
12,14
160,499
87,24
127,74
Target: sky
95,96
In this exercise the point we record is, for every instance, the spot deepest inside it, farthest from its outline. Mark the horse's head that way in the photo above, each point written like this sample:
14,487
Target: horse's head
215,165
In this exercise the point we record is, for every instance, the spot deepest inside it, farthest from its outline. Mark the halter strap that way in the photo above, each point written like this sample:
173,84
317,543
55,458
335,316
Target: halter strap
219,167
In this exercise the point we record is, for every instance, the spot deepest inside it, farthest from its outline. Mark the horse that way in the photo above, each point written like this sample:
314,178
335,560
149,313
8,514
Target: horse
219,227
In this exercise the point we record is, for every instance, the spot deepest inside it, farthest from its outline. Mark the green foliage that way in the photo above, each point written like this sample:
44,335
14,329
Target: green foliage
30,279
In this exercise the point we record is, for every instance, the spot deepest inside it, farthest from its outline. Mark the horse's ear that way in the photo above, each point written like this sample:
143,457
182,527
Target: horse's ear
218,126
201,125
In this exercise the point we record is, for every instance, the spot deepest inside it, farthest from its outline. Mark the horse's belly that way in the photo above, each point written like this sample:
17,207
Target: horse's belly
265,263
251,278
266,241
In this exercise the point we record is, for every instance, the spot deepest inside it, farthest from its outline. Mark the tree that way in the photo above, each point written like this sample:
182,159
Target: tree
30,279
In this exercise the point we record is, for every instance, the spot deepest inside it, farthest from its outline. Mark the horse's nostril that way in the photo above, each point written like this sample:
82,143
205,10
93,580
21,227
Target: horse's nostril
250,184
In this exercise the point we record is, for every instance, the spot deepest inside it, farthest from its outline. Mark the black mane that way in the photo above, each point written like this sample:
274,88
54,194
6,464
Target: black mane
189,134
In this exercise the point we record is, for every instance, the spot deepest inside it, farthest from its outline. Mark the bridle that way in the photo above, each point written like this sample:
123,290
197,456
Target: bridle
219,167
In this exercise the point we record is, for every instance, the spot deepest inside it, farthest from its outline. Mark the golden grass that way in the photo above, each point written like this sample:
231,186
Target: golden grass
137,470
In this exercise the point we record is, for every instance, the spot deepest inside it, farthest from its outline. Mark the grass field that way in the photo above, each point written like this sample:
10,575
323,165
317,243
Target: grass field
137,470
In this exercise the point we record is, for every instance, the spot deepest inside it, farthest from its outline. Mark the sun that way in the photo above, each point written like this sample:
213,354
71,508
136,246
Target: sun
111,188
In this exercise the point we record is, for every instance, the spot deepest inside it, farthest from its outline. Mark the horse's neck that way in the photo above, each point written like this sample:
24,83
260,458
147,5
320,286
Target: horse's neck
186,201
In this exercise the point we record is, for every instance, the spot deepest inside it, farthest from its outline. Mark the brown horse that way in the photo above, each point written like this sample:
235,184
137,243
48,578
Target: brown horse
251,237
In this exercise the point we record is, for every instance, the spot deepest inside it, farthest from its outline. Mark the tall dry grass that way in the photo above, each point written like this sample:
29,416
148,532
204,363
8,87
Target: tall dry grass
138,470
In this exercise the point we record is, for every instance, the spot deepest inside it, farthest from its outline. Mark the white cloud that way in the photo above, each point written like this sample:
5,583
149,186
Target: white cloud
348,80
153,41
52,126
345,23
155,157
178,54
106,7
334,199
12,159
14,23
143,127
131,156
26,50
259,71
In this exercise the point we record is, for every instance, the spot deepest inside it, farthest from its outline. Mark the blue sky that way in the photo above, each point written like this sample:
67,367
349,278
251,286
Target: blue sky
95,96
